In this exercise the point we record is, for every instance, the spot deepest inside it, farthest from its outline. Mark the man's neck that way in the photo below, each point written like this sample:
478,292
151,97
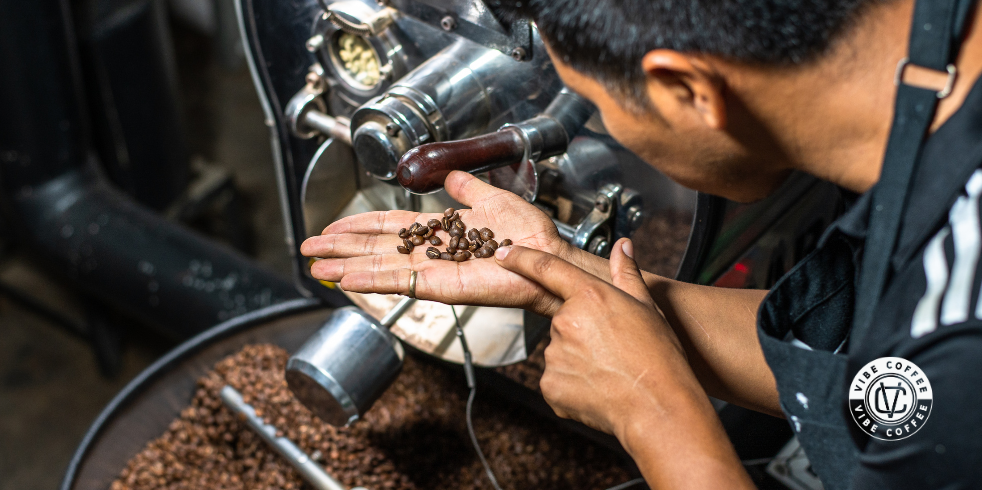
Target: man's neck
832,117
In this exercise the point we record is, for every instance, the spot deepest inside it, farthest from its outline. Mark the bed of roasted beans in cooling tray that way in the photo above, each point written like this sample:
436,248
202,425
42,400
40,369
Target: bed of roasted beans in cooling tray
414,437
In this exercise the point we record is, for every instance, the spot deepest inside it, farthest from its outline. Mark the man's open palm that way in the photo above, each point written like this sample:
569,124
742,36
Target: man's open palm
360,254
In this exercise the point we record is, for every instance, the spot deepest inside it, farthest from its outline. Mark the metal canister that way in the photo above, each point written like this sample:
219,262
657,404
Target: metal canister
347,365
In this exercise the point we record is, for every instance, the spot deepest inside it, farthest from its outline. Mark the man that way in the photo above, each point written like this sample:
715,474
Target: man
727,97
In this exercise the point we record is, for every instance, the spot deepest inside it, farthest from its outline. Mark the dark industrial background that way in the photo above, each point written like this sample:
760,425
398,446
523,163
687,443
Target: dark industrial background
51,387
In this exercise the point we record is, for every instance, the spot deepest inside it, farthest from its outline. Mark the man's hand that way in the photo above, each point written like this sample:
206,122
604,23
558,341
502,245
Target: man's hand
616,365
360,251
606,339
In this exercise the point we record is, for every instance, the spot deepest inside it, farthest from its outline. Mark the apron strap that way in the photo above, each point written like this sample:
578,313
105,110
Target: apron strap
934,41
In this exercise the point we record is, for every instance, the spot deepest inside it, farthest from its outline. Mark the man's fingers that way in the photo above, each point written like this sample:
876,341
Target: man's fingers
624,272
395,282
334,269
352,245
469,190
378,222
553,273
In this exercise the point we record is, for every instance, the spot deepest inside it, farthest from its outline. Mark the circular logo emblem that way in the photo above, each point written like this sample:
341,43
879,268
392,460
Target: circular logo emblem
890,398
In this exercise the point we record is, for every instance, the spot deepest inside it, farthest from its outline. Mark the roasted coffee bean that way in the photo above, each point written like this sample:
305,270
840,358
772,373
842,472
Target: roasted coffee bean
435,240
505,243
473,248
403,233
463,243
479,242
433,253
454,242
446,256
449,212
433,223
486,234
451,251
460,257
413,228
409,245
459,224
422,230
466,253
402,249
456,232
481,253
491,244
430,232
418,240
473,234
445,224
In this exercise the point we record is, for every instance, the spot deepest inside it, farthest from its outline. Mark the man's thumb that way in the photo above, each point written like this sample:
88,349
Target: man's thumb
624,272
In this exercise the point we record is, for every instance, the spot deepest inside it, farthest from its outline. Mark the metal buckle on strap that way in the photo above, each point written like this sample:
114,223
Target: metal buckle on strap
926,78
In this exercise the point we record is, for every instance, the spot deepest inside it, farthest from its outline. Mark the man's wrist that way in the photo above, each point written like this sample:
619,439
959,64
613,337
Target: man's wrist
651,411
673,437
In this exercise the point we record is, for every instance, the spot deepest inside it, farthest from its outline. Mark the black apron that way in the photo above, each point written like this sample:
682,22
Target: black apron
816,314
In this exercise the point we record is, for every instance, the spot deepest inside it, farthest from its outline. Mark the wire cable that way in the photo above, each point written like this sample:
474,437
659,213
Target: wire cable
628,484
472,384
757,462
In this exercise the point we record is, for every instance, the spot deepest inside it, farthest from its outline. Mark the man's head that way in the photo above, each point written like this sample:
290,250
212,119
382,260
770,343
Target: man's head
660,71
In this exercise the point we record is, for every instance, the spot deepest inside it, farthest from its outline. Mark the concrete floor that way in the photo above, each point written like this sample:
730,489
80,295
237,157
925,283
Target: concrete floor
50,385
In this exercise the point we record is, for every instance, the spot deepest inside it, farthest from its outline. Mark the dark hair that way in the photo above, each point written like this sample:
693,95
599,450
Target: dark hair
608,38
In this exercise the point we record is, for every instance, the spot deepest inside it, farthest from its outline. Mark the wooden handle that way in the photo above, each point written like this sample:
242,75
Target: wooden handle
424,169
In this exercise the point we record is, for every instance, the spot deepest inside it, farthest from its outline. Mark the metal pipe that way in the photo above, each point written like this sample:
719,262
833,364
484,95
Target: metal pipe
80,227
311,471
338,128
86,231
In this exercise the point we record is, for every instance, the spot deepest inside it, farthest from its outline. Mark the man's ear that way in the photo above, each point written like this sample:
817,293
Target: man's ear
679,83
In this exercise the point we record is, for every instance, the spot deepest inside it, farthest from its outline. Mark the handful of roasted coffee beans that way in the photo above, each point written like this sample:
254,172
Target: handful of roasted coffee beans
463,244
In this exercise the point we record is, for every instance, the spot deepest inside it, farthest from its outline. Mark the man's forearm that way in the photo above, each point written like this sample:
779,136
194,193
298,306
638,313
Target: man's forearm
717,327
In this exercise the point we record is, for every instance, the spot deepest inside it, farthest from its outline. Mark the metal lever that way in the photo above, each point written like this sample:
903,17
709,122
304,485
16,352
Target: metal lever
397,311
371,26
306,112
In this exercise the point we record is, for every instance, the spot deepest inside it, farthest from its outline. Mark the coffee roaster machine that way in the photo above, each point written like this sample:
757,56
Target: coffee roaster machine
352,89
369,105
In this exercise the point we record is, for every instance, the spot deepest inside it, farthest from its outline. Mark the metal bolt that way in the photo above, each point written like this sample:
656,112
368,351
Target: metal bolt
313,79
448,23
519,54
599,246
315,43
602,204
634,217
392,129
